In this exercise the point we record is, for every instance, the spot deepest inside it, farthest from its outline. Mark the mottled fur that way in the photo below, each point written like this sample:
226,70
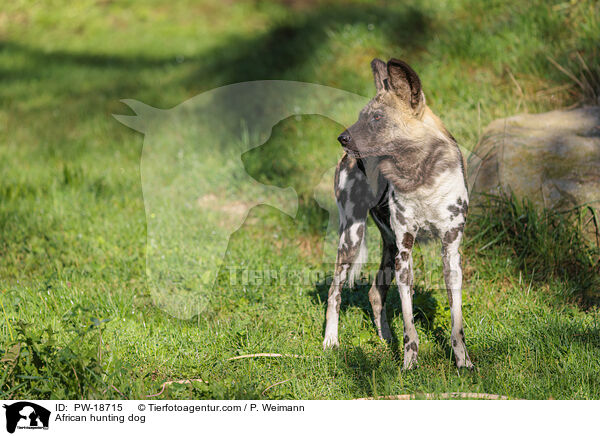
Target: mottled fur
404,168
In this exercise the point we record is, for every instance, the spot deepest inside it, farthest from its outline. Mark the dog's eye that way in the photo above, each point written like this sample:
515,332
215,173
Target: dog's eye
377,117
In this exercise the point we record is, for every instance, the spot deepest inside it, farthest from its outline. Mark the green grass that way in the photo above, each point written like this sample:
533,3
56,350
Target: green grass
78,319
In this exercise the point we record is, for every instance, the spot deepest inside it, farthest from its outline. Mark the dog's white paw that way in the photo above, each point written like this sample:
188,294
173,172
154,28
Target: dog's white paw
330,342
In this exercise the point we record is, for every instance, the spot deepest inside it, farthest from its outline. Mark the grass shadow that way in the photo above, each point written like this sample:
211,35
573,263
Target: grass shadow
371,372
287,46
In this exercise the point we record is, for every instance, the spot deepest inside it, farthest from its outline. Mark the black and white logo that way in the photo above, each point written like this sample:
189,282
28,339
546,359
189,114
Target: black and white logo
26,415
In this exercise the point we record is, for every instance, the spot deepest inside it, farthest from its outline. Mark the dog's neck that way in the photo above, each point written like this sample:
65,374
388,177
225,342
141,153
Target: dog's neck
411,168
369,166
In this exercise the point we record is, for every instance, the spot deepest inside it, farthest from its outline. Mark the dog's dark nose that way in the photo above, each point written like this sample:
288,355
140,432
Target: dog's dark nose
344,139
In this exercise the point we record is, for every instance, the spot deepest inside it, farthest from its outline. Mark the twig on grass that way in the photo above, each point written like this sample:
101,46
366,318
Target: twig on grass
296,356
165,384
443,395
122,394
275,384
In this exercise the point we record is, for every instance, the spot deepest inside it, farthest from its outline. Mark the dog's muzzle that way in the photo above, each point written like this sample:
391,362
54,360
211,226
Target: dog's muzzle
348,144
345,139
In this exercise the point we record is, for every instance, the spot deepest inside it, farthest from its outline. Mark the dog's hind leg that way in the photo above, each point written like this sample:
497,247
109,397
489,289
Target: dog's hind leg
385,275
379,290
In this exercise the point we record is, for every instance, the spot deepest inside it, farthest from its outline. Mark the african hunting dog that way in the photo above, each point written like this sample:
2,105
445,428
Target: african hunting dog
404,168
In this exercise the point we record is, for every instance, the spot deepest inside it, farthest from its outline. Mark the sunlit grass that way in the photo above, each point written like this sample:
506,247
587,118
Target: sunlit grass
73,225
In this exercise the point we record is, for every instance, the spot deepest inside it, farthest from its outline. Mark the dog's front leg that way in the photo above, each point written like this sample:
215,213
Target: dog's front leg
404,279
405,239
453,278
350,245
334,300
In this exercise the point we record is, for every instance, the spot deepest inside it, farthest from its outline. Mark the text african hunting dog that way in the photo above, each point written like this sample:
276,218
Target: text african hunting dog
405,168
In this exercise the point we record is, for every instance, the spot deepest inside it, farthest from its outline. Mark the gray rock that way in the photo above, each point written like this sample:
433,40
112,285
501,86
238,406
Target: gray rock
551,158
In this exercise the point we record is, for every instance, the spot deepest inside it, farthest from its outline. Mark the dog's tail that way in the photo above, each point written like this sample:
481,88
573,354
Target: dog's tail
360,260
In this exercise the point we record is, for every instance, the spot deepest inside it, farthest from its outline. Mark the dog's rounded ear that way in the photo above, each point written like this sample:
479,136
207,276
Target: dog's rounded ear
405,83
380,74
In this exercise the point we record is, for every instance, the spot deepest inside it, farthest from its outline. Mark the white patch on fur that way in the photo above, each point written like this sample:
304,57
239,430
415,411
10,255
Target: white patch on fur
361,259
343,179
354,239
